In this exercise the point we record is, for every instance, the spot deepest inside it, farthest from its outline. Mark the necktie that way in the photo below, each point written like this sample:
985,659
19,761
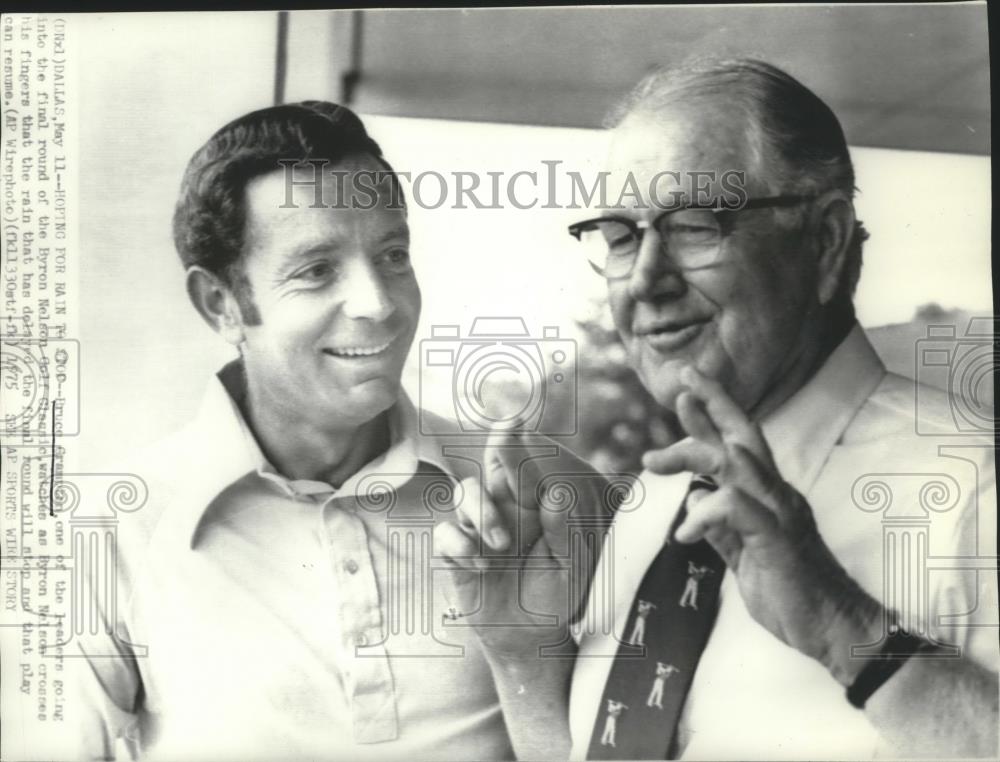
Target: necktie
666,631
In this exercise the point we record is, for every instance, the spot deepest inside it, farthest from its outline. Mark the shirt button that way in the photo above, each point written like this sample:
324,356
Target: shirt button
360,640
350,566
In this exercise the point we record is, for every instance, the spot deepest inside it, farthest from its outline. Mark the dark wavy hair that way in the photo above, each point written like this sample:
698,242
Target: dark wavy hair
791,132
210,216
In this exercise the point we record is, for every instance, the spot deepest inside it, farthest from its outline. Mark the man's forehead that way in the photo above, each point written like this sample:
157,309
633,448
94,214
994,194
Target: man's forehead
675,157
683,140
355,180
328,207
289,195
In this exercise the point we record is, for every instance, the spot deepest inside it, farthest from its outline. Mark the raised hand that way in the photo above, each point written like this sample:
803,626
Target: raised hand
515,575
763,528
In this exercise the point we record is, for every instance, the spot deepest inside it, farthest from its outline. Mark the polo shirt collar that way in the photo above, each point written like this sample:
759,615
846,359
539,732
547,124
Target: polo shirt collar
228,451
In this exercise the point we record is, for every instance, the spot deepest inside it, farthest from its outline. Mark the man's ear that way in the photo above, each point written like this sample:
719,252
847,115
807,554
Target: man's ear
835,230
215,303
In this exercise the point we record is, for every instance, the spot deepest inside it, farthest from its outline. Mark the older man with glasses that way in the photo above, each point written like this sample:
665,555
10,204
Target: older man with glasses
811,597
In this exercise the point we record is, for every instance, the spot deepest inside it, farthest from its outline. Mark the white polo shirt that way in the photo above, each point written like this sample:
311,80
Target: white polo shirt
258,617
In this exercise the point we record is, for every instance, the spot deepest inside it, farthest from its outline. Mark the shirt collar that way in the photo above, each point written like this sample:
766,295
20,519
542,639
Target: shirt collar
803,431
228,451
409,446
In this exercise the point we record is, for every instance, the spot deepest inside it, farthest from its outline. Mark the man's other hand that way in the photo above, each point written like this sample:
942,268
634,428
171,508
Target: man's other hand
765,531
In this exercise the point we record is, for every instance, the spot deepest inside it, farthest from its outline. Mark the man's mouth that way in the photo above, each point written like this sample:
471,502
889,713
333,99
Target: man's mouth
359,350
671,335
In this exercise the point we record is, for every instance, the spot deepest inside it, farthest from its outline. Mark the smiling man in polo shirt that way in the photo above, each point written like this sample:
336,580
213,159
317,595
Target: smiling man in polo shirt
257,589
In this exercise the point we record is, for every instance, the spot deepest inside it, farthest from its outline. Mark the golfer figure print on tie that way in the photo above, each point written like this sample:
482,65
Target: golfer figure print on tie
637,638
615,708
663,671
660,647
689,598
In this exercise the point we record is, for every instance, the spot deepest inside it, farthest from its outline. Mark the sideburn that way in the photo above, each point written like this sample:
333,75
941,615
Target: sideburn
243,292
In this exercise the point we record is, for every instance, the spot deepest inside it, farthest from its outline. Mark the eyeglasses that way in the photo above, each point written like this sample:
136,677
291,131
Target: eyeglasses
691,235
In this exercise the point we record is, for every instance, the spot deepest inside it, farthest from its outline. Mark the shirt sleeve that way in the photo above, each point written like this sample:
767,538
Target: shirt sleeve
964,608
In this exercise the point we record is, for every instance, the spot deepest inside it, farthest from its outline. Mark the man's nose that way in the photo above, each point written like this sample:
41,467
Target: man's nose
365,294
654,274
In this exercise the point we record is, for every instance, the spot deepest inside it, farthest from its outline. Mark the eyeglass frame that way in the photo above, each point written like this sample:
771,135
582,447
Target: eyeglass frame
724,216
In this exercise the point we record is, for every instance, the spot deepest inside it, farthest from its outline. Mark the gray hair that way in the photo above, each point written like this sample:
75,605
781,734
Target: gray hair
786,121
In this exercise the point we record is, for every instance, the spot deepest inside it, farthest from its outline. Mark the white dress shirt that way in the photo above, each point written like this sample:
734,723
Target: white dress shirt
909,510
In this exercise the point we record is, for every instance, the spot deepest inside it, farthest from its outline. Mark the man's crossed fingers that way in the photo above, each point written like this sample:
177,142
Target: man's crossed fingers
725,444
